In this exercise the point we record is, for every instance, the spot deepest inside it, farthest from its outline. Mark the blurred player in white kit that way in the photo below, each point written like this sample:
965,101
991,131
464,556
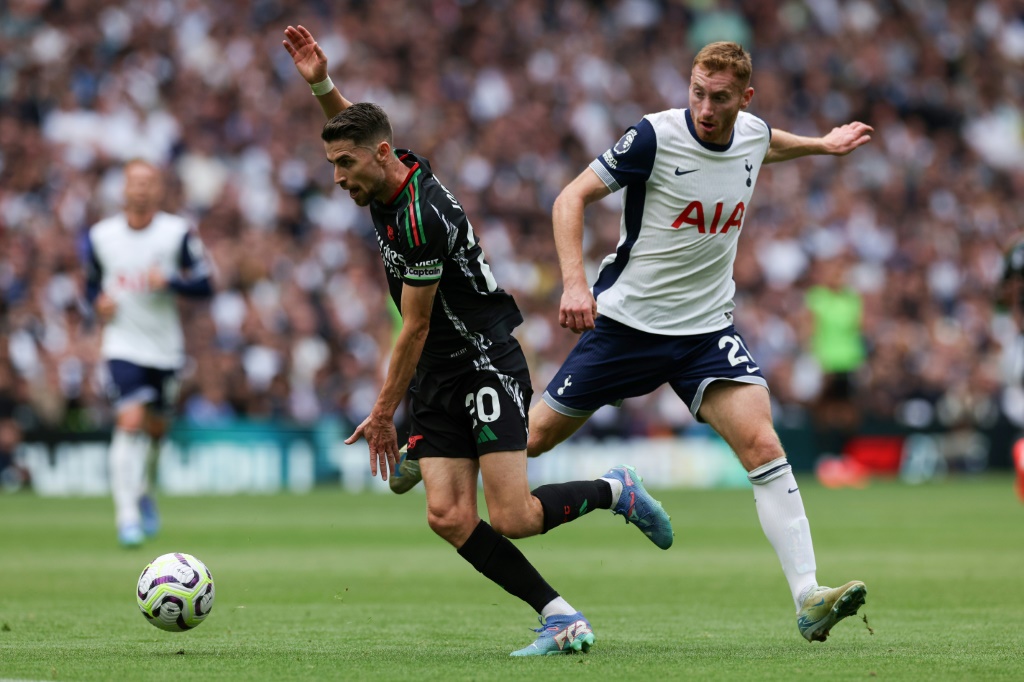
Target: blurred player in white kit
138,262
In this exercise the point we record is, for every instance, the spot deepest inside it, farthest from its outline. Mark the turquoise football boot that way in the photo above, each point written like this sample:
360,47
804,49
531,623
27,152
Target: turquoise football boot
640,509
560,635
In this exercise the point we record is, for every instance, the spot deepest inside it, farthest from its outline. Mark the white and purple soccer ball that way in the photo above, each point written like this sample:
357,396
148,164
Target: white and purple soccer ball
175,592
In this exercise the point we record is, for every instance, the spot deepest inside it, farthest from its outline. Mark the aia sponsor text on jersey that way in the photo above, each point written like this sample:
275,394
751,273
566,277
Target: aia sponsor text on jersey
694,215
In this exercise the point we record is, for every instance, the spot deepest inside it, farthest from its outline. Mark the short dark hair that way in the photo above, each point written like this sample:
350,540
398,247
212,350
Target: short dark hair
364,123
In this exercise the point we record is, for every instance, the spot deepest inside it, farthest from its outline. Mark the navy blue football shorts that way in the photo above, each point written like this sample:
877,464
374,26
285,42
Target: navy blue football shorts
613,362
474,411
131,383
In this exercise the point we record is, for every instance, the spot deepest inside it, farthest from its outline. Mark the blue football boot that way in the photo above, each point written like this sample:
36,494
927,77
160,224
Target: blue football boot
130,535
560,635
639,508
406,475
150,515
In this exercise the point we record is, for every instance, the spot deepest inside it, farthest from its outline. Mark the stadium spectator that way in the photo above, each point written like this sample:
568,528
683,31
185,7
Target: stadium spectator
833,318
1010,298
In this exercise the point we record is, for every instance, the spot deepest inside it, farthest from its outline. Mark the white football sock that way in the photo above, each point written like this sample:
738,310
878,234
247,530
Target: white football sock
557,607
127,463
616,485
784,522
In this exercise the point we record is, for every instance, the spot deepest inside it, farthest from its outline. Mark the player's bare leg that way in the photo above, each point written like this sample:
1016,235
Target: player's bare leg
451,498
741,414
156,428
451,487
127,464
512,508
549,428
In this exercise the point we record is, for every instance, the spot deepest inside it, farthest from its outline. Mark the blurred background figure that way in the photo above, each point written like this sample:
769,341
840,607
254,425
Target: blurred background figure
137,262
835,313
1010,298
11,395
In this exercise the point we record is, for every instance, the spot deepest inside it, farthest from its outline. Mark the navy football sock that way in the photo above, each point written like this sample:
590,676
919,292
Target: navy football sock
565,502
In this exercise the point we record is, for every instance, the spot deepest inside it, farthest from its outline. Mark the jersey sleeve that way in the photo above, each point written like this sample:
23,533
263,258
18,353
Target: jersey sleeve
427,245
631,160
194,276
1013,264
93,269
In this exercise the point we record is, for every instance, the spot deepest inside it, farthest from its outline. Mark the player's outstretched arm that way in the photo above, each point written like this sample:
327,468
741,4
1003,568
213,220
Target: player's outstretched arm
311,63
578,308
379,428
839,142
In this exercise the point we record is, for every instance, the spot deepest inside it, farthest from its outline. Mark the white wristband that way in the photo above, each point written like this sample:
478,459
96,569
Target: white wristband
322,88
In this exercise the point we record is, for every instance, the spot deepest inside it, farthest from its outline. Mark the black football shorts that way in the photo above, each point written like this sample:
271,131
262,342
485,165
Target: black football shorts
475,412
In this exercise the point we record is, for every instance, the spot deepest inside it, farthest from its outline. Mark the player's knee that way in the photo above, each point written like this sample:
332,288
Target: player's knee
540,441
535,446
760,448
507,525
156,428
454,523
513,521
131,418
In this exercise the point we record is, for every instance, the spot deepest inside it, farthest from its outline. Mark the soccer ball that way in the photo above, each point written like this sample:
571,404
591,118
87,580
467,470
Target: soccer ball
175,592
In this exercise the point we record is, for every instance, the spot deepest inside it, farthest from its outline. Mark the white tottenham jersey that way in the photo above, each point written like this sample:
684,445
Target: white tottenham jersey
146,329
682,213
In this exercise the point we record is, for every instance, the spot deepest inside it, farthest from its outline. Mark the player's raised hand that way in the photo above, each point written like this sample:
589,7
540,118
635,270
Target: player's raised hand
577,309
380,435
309,59
844,139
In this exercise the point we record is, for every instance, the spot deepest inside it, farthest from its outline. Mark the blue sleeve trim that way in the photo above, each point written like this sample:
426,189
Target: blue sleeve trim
198,282
193,287
631,160
93,271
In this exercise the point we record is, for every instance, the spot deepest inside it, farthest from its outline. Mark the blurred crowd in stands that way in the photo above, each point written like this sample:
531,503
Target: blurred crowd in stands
509,99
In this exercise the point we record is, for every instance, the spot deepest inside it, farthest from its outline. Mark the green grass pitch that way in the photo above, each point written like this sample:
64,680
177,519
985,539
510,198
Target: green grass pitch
335,586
